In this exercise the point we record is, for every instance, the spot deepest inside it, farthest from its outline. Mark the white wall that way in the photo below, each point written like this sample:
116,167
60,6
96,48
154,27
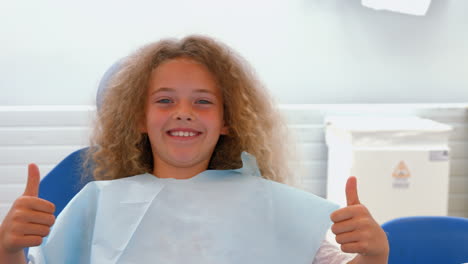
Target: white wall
307,51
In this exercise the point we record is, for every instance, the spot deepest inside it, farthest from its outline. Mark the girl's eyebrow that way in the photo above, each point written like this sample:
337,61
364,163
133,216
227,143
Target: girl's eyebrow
167,89
204,91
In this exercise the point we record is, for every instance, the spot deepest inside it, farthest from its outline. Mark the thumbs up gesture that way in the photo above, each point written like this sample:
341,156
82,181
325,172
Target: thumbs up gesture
357,232
29,219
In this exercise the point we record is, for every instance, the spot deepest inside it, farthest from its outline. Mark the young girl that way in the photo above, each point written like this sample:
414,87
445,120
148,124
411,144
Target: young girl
189,118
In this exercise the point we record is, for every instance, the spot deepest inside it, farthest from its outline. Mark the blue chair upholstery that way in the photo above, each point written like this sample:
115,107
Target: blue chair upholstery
65,180
427,239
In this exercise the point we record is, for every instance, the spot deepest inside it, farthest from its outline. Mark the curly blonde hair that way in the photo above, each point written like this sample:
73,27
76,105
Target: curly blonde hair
118,148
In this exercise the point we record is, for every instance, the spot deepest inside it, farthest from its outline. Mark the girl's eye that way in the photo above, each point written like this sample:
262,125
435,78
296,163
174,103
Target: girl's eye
164,101
202,101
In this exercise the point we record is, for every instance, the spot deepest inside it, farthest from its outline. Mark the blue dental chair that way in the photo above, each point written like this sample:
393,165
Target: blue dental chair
69,177
66,179
63,182
427,239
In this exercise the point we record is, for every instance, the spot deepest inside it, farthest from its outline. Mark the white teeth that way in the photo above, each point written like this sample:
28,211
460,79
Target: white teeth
182,134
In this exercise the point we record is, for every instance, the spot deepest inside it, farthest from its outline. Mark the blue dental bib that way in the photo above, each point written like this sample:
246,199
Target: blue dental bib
218,216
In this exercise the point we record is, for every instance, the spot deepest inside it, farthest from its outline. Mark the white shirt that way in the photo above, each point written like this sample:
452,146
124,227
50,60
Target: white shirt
330,253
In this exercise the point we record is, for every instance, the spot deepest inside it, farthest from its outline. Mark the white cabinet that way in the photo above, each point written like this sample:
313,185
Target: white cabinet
402,164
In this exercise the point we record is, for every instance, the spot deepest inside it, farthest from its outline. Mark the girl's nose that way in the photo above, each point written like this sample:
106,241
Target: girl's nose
184,117
184,113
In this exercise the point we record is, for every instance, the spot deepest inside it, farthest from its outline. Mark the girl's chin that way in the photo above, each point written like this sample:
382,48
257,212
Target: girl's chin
185,160
183,157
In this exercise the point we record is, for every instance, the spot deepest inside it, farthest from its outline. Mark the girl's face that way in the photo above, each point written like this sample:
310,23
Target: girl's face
184,116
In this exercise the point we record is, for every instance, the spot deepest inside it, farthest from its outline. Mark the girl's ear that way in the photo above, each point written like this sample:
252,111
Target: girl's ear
142,126
224,130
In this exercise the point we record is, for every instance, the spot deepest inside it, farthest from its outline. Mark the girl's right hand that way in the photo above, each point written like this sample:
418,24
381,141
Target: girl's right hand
29,219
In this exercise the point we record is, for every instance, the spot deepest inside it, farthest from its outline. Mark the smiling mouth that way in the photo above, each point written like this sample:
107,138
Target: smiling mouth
183,134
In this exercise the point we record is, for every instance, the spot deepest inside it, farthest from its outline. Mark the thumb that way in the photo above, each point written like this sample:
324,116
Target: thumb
34,178
352,197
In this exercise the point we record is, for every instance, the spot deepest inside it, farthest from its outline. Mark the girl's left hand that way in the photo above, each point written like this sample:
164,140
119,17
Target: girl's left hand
357,232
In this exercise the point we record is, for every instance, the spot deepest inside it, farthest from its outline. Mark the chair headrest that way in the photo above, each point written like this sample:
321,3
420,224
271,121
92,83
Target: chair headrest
104,83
